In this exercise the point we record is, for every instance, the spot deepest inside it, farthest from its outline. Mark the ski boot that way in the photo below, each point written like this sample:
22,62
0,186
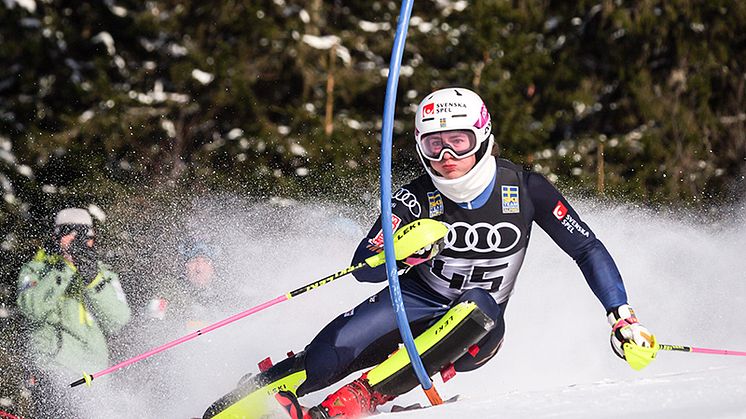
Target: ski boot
354,400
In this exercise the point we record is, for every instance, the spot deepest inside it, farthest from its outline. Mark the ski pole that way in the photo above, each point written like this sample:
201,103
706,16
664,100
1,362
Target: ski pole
681,348
409,239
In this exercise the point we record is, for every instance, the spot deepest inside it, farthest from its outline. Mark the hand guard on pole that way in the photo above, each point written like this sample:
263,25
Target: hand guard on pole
630,340
421,256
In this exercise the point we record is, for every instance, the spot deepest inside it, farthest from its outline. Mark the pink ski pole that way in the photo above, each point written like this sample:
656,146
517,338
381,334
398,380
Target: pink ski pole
408,239
88,378
681,348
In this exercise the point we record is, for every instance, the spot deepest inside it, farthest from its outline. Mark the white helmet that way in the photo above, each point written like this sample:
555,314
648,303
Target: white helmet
70,219
456,109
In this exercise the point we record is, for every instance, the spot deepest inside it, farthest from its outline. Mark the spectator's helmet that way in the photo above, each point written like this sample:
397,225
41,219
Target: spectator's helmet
198,256
456,109
190,248
73,219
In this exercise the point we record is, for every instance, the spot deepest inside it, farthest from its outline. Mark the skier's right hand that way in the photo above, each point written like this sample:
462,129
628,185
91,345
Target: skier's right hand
630,340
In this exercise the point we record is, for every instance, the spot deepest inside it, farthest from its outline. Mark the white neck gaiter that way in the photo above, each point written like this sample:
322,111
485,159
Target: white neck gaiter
469,186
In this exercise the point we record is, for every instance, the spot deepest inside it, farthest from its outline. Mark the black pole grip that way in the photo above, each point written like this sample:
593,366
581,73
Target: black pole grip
79,382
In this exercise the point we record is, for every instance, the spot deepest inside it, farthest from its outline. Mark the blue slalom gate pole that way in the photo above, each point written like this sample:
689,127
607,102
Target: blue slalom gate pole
388,236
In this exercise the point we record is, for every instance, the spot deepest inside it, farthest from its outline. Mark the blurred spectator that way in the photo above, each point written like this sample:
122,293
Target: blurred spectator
191,298
73,303
179,302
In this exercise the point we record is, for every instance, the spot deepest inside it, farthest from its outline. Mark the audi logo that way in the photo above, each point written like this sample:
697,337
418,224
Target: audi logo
463,237
409,200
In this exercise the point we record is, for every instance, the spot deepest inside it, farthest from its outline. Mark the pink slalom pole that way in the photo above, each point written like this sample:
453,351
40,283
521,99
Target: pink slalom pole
709,351
718,351
182,339
88,378
410,238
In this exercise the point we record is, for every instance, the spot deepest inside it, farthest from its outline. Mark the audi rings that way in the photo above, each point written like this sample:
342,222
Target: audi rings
409,200
469,235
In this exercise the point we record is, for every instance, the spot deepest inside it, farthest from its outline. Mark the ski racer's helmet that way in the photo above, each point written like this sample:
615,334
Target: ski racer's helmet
456,109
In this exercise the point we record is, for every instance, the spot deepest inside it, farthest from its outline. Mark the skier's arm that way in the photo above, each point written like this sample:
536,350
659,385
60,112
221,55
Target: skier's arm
373,242
107,300
556,216
40,287
369,247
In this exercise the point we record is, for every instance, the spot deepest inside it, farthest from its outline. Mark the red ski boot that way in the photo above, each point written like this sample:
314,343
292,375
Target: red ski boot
355,400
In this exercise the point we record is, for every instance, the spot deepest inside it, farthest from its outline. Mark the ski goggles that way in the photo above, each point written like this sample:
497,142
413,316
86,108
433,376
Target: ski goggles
82,230
459,143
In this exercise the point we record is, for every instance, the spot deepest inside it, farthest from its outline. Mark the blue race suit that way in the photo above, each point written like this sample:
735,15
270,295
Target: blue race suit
484,249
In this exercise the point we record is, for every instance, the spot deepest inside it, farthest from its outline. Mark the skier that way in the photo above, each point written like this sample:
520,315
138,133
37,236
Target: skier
73,303
489,205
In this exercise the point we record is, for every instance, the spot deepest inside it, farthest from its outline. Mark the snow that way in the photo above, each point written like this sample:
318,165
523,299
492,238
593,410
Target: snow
7,157
202,76
235,133
97,213
297,149
327,42
158,95
404,71
684,277
321,42
106,39
116,10
373,26
169,127
177,50
86,116
29,5
689,394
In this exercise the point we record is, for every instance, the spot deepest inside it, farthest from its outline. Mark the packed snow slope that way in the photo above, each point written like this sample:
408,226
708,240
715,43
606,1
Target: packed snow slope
686,278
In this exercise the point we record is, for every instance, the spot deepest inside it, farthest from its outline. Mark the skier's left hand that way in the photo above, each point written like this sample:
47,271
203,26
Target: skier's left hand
630,340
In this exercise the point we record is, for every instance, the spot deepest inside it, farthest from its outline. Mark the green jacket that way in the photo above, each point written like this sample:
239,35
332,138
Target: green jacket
70,320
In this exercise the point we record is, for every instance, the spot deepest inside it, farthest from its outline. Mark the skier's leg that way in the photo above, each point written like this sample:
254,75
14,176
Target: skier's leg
440,345
355,340
488,346
365,335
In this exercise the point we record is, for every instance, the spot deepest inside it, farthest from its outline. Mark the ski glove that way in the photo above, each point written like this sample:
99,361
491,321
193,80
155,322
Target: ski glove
423,255
630,340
